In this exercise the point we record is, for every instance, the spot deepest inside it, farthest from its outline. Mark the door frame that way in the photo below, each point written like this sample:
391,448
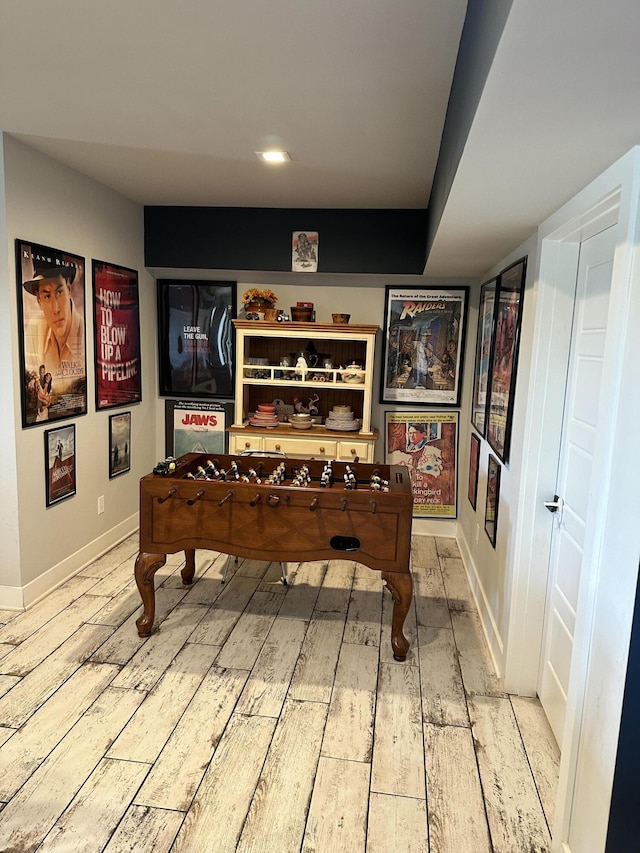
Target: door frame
599,657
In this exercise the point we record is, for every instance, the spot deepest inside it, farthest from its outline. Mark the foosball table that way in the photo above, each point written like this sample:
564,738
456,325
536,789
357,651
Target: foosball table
277,509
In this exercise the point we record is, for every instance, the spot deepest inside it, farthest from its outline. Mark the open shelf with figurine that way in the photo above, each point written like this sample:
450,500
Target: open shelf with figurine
323,369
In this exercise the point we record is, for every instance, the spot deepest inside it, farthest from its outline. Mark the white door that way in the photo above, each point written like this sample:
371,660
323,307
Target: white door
574,472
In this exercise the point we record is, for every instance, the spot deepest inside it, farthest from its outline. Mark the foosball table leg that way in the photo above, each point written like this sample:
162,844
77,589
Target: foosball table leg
146,567
189,568
400,585
226,567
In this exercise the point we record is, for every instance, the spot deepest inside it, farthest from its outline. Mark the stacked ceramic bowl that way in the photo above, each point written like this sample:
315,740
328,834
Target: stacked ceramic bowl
301,421
264,416
342,418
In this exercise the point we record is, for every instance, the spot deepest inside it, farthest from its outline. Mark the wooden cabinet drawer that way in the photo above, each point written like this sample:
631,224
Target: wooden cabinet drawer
305,448
350,449
240,443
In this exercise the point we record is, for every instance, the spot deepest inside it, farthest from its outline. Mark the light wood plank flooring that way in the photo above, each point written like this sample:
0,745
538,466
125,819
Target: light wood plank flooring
263,717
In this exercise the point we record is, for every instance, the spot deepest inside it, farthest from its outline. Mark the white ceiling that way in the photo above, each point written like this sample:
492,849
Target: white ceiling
167,103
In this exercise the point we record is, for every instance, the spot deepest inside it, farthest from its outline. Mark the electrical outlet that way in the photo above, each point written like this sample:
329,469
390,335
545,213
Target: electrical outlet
100,504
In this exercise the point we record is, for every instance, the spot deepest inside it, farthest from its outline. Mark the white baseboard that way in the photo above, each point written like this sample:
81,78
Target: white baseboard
489,626
20,598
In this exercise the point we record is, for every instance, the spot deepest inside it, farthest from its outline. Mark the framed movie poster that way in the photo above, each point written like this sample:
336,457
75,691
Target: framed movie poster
474,461
504,358
196,426
51,327
195,338
427,444
60,463
116,312
424,331
493,499
483,353
119,444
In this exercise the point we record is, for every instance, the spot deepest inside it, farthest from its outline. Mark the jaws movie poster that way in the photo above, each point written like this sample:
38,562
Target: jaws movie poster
117,335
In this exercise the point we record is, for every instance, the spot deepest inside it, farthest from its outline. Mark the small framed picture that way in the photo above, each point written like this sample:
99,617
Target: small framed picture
119,444
60,463
493,499
474,459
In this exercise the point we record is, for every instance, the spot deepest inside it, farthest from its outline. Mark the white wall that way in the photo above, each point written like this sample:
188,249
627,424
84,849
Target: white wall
50,204
9,532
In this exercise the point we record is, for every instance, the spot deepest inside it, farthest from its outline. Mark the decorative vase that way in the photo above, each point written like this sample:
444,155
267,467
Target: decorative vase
271,314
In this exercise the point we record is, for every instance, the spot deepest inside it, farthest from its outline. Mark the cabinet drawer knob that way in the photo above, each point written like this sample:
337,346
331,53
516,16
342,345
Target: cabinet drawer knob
277,447
353,451
247,444
322,450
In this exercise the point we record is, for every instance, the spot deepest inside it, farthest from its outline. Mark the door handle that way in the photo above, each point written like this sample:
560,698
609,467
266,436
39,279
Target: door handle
556,506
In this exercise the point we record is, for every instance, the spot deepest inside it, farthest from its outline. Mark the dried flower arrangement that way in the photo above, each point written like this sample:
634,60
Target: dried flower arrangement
261,296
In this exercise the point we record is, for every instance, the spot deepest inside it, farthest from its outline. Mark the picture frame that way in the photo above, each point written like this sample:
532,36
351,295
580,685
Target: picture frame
196,426
504,358
423,347
60,463
116,316
196,338
486,313
493,499
427,444
51,329
119,444
474,462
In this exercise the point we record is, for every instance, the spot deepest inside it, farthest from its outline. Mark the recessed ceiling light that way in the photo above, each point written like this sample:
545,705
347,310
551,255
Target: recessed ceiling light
274,156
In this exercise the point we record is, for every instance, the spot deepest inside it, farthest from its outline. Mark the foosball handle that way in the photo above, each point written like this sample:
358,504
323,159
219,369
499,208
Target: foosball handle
199,495
169,494
226,498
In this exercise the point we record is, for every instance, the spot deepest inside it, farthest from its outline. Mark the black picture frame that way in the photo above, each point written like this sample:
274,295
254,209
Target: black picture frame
116,338
474,464
196,339
423,345
481,374
60,463
53,375
493,499
119,444
504,358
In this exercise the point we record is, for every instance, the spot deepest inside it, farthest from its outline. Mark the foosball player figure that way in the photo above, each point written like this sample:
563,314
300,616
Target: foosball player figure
377,479
254,473
212,470
278,475
235,470
351,477
326,478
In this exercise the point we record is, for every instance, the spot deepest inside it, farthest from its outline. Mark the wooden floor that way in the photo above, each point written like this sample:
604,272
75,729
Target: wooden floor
263,717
